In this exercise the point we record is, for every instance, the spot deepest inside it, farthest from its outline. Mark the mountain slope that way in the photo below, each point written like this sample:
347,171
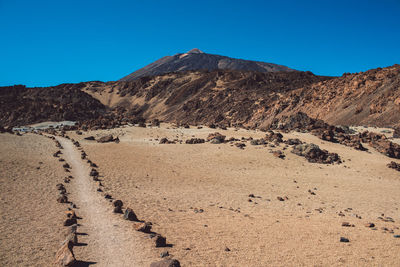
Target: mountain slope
254,99
198,60
20,105
224,97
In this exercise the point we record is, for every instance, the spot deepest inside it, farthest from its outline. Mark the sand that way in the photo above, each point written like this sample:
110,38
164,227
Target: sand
31,219
198,197
201,198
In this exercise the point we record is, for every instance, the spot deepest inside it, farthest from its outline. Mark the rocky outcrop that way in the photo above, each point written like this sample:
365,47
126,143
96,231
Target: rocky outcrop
314,154
20,105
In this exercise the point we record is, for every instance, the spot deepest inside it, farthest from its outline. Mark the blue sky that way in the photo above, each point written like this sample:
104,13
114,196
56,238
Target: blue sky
51,42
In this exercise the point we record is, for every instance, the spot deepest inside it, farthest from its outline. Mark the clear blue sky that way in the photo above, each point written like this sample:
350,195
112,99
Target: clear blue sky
51,42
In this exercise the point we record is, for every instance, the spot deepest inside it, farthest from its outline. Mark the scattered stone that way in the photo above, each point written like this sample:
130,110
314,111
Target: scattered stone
90,138
160,241
344,240
70,221
57,153
166,263
239,145
227,249
280,198
314,154
60,187
274,137
65,255
118,203
71,214
117,209
217,137
278,154
370,225
130,215
107,196
144,227
66,166
195,141
257,142
165,141
105,139
94,172
347,224
295,141
164,254
396,236
394,165
62,199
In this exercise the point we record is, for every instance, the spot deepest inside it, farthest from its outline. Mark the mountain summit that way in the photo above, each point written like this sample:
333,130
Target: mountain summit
196,59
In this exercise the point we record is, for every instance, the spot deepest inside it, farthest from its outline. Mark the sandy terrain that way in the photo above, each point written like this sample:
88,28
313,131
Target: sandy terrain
106,239
31,219
198,197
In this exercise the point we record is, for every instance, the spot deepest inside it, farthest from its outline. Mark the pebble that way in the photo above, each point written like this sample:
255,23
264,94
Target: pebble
345,240
164,254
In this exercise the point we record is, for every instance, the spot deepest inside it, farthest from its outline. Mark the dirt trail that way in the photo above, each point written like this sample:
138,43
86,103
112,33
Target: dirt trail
108,240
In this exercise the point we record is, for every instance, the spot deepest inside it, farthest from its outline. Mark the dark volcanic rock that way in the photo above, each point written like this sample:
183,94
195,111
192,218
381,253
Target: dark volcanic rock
166,263
20,105
396,133
106,139
160,241
394,165
130,215
195,141
314,154
197,60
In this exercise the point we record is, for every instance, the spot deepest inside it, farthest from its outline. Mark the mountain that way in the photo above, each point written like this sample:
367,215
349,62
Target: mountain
224,97
254,99
195,59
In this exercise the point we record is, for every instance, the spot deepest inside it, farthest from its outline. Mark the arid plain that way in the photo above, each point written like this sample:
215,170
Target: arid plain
216,204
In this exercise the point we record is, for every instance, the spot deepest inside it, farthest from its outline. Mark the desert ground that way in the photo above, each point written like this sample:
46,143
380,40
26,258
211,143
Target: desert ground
216,204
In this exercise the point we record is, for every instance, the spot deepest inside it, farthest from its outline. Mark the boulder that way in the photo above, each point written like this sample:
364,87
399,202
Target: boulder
65,255
130,215
70,221
217,137
118,203
314,154
144,227
94,172
117,209
105,139
160,241
394,165
195,141
166,263
164,141
274,137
